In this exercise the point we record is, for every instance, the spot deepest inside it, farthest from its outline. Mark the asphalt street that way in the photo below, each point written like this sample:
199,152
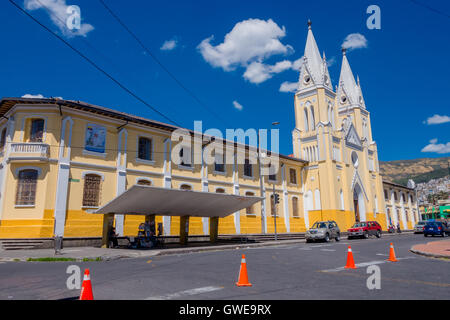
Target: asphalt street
293,271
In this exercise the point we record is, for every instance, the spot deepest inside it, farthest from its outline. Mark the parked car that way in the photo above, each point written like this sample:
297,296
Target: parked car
435,228
364,230
323,230
418,228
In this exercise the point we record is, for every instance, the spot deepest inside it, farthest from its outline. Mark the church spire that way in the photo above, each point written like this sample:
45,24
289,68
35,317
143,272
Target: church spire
349,92
314,70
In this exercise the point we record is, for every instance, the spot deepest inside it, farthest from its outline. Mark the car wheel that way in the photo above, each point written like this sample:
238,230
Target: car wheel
425,235
327,238
308,241
378,234
338,237
366,235
349,238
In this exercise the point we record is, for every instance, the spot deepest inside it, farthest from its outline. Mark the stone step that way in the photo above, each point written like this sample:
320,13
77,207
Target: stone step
17,244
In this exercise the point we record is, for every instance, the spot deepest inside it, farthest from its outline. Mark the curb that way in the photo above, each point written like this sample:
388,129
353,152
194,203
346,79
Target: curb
430,255
163,252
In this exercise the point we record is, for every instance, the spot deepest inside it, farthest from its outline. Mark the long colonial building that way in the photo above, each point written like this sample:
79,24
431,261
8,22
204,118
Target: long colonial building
61,159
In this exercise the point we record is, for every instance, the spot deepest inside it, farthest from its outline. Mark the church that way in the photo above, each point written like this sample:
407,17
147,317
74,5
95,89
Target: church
60,160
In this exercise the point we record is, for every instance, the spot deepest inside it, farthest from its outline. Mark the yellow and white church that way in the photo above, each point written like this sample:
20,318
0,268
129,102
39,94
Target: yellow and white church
62,159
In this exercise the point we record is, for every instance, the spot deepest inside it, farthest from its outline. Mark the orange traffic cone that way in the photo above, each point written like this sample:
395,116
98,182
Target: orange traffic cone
243,277
350,261
86,287
392,254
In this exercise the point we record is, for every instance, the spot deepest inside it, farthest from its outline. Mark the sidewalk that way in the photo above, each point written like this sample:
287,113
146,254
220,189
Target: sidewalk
436,249
93,253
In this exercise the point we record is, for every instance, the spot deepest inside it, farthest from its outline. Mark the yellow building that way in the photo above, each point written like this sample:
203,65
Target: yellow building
60,159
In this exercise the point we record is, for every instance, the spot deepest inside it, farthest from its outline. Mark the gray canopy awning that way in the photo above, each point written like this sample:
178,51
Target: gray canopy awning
147,200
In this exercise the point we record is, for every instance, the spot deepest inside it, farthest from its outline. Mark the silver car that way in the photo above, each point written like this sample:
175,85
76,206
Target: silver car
418,228
323,230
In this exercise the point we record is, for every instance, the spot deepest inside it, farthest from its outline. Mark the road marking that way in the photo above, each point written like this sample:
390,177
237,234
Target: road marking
180,294
321,245
382,254
327,250
363,264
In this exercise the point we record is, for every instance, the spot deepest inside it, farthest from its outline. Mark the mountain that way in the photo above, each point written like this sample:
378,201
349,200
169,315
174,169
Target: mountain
420,170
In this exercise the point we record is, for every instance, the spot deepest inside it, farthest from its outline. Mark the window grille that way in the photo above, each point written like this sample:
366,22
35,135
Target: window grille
26,187
91,192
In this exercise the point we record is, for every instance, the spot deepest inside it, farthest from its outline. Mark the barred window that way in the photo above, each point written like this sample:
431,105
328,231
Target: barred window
292,176
295,207
145,149
219,165
250,210
220,190
26,187
248,168
144,182
185,187
188,163
91,192
3,139
37,130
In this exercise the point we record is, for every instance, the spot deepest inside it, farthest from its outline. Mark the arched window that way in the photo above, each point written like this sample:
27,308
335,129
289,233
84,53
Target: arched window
91,191
144,182
341,196
313,119
376,205
37,130
305,111
317,199
185,187
295,207
272,205
250,210
26,187
333,124
220,190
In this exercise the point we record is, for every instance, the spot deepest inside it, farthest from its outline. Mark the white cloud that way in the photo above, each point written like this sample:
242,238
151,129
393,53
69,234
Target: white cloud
237,105
288,86
258,72
331,61
354,41
37,96
169,45
297,64
57,9
437,148
437,119
251,40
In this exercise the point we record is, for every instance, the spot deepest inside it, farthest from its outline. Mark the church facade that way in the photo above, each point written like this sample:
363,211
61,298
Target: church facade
61,159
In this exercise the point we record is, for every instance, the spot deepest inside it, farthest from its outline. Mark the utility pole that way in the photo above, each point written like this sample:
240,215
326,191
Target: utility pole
275,211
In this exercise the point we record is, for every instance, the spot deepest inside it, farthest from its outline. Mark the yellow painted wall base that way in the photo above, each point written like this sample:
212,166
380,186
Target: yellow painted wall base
297,225
281,225
250,224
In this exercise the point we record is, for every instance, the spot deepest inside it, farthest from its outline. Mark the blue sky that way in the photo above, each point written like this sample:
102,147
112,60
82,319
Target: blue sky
404,68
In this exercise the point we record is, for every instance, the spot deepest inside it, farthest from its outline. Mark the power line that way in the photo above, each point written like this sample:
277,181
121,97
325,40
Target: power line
95,65
157,60
430,8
